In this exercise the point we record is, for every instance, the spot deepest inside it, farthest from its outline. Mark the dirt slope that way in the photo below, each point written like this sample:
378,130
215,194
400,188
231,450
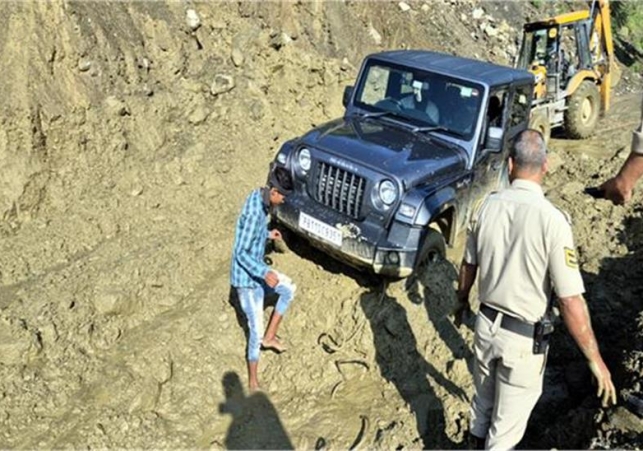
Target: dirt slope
129,138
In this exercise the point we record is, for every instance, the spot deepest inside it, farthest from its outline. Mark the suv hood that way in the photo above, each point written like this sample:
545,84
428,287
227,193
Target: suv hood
414,157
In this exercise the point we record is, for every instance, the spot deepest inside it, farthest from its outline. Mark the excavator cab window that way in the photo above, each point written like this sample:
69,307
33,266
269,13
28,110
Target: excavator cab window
539,55
569,53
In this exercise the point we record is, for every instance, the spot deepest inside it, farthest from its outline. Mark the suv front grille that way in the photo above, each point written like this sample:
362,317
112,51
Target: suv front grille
339,189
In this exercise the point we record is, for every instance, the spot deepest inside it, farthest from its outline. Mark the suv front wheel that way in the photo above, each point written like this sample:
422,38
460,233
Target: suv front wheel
433,251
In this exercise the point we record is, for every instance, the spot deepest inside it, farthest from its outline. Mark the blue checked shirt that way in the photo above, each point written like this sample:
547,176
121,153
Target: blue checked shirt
248,268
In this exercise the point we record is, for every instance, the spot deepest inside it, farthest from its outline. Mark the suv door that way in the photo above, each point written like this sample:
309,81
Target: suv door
510,111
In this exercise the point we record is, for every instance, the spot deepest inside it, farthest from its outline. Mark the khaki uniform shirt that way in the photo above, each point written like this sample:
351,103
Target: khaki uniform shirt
637,137
522,246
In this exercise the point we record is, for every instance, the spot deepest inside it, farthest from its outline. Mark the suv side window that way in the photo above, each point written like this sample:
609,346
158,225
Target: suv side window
520,106
495,116
496,108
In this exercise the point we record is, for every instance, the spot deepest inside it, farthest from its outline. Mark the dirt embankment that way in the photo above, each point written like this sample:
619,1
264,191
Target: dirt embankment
130,135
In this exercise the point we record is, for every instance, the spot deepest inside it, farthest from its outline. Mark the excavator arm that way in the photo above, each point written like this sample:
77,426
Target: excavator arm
602,48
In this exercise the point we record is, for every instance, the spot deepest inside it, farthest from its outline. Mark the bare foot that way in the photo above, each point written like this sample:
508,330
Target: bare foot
273,344
254,386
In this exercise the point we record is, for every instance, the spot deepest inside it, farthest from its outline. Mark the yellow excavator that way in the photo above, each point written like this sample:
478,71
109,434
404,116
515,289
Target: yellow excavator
572,58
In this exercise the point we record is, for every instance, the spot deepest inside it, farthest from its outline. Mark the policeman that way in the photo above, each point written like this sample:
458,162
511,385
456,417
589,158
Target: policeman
522,246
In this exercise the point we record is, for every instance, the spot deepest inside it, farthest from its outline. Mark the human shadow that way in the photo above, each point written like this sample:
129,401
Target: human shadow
255,421
435,290
401,364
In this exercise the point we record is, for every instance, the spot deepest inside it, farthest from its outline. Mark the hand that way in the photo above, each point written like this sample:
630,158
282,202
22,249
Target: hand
461,315
617,190
275,234
462,311
606,390
272,279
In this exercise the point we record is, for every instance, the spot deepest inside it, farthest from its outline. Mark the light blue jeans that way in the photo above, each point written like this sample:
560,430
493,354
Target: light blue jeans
251,300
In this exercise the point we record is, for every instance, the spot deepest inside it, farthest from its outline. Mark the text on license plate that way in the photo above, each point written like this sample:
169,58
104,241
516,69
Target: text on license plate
320,229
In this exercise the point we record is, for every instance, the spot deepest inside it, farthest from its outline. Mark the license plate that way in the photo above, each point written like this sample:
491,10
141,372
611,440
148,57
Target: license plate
320,229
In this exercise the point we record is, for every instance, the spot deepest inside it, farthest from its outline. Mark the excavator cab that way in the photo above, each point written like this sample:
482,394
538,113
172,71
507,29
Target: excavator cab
570,56
554,54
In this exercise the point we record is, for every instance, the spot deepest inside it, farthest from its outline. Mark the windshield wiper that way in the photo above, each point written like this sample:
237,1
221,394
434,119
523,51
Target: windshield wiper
433,128
383,113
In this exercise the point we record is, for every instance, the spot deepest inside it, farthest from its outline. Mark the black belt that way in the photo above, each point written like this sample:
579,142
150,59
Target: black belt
508,322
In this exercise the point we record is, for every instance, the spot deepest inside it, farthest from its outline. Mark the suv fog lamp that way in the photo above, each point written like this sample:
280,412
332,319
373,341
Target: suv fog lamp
407,210
304,159
393,257
388,192
281,158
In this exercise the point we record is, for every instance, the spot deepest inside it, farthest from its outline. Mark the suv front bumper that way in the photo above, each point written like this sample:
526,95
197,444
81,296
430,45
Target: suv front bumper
364,244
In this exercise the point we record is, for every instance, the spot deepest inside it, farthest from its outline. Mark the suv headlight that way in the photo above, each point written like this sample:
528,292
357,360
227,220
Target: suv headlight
387,192
303,159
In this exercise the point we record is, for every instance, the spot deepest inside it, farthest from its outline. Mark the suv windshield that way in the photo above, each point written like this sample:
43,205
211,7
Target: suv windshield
426,99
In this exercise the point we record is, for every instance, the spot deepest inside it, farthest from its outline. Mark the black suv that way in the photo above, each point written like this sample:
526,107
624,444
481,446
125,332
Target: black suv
424,136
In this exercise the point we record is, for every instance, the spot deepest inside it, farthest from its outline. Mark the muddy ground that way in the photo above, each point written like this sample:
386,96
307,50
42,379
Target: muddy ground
130,134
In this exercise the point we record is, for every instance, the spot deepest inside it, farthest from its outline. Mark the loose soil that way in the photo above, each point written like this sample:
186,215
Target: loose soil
129,139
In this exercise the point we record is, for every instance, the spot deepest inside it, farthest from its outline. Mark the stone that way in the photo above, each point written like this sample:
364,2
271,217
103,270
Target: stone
221,84
279,40
198,115
84,65
237,57
373,33
478,13
256,110
192,19
491,31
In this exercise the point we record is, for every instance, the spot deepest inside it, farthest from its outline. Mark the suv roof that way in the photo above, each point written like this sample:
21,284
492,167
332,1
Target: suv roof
469,69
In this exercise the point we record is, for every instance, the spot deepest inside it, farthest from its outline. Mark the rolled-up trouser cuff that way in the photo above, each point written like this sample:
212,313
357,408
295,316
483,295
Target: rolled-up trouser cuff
286,292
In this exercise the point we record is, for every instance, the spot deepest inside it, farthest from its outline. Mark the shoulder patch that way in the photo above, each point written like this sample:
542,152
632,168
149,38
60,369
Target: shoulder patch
570,258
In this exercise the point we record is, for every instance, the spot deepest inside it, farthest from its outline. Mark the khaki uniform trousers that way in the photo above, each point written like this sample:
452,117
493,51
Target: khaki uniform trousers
508,380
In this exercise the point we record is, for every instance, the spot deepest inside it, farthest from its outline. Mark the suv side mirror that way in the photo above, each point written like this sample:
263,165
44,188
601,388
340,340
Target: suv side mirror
348,92
493,142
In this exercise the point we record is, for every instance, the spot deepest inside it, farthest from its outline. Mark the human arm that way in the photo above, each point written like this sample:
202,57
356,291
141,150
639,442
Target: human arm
466,278
250,229
576,316
618,189
568,283
468,268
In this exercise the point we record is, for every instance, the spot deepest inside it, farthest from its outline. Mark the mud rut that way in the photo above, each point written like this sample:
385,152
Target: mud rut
117,325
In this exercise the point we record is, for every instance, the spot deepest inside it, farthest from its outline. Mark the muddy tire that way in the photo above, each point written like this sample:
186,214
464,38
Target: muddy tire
540,122
433,251
582,111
